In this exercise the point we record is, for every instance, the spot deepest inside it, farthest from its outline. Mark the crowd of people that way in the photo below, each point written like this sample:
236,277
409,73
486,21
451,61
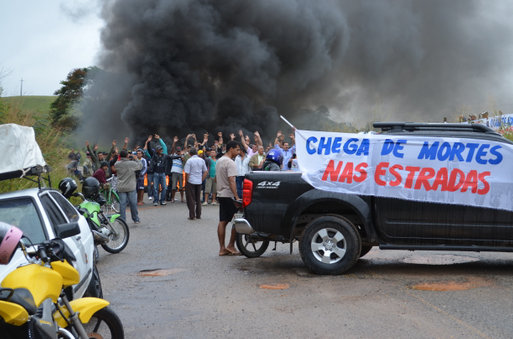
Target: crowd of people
201,171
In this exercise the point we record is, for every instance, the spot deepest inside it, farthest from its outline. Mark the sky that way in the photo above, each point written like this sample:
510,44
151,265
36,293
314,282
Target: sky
42,41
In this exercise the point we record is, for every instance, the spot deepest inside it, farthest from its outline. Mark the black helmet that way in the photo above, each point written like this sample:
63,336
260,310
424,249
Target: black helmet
67,186
91,188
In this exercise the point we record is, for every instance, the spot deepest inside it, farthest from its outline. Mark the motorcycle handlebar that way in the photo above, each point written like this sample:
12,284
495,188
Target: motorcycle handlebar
78,194
42,254
47,251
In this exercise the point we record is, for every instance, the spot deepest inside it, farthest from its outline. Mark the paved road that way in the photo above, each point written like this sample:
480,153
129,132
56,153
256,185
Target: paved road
170,283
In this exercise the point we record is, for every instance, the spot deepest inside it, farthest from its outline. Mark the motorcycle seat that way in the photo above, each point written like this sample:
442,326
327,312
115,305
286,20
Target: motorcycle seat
22,297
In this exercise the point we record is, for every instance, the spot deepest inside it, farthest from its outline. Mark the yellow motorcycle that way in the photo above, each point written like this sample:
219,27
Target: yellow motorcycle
33,303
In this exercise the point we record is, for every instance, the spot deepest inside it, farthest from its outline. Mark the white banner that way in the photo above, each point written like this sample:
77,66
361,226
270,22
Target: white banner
442,170
497,123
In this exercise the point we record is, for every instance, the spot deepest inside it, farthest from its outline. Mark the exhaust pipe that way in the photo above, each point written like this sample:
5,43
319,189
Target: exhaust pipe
100,237
242,226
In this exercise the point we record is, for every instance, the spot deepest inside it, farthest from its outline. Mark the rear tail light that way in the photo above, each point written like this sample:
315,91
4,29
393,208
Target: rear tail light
247,192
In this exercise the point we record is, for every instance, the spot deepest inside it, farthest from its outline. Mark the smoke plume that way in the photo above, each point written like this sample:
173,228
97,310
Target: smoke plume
175,66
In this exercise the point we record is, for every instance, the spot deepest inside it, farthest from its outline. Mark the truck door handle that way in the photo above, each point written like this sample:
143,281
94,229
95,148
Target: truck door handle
78,237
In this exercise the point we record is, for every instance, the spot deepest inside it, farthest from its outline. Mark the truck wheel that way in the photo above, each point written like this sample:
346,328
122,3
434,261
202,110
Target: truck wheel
330,245
250,246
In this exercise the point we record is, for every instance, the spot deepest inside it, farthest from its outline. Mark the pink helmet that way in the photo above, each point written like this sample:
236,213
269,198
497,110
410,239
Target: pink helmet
9,239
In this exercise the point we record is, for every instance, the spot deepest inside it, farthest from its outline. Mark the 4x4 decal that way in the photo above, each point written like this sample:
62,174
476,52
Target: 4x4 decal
268,184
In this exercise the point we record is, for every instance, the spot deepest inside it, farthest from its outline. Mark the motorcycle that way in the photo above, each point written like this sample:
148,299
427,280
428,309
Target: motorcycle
111,232
33,302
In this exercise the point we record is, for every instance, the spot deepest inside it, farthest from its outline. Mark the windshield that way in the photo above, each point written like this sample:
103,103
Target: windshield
22,213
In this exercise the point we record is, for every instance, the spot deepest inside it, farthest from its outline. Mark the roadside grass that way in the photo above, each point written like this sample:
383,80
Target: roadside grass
33,104
507,132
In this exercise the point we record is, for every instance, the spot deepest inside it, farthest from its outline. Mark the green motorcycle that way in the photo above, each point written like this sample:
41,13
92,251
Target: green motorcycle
111,232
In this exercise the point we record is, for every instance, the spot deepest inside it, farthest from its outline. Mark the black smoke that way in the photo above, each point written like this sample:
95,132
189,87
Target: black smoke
175,66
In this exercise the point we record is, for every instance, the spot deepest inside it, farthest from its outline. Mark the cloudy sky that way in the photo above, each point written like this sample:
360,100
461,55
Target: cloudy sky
394,60
42,41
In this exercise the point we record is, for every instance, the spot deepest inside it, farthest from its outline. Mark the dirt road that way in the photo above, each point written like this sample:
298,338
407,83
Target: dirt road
170,283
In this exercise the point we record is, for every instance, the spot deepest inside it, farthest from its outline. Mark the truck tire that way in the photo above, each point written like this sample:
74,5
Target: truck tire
330,245
251,247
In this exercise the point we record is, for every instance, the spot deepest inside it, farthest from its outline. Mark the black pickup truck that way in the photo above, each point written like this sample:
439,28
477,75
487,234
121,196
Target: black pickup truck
335,229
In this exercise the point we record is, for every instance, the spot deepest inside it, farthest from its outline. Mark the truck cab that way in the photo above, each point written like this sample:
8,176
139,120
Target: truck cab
335,228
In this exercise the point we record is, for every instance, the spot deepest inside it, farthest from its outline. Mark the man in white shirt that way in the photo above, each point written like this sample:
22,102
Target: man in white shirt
242,163
195,172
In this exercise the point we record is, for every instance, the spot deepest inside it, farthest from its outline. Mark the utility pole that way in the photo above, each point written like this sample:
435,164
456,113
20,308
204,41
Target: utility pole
21,87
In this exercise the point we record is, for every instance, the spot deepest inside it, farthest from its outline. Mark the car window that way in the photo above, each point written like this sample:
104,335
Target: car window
52,211
66,206
22,213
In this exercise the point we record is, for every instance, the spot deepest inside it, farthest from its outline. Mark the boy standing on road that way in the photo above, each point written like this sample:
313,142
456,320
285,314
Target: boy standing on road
158,165
210,182
140,177
226,171
176,170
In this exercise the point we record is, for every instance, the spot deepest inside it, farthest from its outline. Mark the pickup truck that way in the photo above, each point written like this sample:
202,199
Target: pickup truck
335,229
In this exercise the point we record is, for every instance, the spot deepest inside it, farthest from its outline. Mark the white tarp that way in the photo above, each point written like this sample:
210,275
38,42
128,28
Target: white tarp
19,148
444,170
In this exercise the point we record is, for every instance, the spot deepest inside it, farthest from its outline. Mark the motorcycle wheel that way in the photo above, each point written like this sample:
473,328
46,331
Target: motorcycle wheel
119,237
105,324
250,247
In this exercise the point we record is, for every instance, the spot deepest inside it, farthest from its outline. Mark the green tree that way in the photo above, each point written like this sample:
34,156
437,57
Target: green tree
3,109
70,93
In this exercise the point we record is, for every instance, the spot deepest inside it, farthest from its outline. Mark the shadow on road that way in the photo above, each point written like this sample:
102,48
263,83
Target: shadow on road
389,265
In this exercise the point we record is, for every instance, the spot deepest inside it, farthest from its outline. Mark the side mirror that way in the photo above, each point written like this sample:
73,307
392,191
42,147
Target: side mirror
67,230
